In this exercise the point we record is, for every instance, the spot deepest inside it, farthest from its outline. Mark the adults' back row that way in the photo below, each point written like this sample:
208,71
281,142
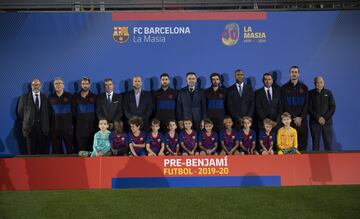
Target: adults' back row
167,104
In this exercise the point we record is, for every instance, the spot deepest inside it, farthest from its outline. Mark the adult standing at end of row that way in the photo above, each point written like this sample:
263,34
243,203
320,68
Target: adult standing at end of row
33,111
321,109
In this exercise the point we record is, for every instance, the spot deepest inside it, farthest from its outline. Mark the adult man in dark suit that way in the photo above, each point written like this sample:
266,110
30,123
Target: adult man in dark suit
268,102
33,112
138,102
191,102
240,99
109,104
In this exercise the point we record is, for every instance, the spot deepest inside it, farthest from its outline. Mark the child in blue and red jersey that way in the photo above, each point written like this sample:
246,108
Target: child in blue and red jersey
229,139
119,140
247,136
208,139
154,144
137,137
171,139
267,138
188,139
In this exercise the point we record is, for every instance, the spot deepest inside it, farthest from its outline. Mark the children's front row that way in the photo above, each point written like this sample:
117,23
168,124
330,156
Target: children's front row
188,142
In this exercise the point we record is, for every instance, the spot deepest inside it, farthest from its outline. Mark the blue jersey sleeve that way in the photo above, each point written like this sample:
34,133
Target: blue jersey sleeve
222,135
216,137
261,135
148,138
240,135
111,136
253,134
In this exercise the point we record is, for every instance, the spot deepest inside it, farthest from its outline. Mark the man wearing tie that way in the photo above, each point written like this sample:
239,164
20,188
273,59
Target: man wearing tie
191,102
240,99
138,102
268,102
33,112
109,104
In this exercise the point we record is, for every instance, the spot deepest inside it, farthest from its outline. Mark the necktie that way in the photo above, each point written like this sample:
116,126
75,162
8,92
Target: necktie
137,98
240,90
108,99
268,96
37,102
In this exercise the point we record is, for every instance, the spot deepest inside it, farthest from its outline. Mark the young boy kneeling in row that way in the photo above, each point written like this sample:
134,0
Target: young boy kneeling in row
154,144
119,140
247,136
229,139
137,137
171,139
267,138
188,140
287,137
208,139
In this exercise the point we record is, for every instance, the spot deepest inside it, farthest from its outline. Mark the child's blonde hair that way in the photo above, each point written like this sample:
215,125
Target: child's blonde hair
285,115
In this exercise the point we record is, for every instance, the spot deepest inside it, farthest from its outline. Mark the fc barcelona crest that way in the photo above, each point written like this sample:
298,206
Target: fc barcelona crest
121,34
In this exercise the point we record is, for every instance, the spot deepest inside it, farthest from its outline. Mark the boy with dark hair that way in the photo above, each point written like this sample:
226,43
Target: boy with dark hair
137,137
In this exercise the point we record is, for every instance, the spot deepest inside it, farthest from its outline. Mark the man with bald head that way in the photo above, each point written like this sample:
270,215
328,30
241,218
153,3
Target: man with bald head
138,102
321,109
33,111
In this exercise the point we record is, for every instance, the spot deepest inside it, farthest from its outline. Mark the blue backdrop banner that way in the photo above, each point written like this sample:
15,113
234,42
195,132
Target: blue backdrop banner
121,45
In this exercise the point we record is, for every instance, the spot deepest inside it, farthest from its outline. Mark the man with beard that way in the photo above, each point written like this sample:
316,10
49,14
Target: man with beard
191,102
240,99
109,104
138,102
84,114
61,119
294,95
33,111
165,102
215,101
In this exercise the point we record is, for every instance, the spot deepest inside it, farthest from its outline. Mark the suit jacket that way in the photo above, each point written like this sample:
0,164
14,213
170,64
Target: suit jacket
195,109
264,109
145,108
26,112
237,106
111,111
